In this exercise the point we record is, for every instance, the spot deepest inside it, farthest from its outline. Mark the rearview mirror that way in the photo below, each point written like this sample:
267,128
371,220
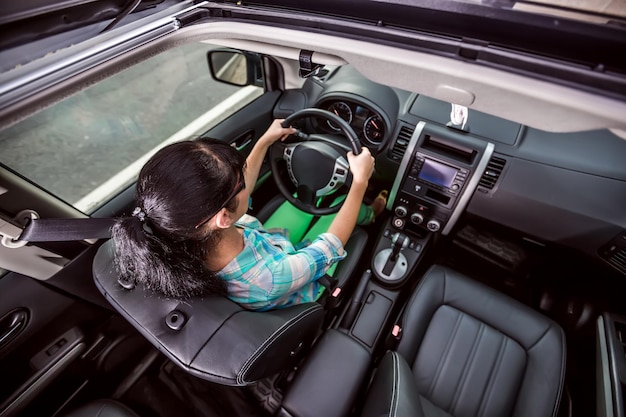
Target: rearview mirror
235,67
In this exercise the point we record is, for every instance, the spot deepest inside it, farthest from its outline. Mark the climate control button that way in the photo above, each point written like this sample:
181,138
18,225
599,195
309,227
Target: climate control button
433,225
401,211
417,218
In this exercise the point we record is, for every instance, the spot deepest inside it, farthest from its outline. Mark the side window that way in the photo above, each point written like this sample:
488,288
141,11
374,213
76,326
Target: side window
88,147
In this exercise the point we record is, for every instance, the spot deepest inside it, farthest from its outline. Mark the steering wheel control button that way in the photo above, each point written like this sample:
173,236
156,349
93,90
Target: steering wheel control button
336,181
433,225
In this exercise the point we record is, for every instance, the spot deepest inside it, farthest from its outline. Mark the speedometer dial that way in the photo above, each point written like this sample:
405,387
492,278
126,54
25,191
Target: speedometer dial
374,129
342,110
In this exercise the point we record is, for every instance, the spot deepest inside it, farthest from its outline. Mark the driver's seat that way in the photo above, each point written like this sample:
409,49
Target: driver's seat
214,338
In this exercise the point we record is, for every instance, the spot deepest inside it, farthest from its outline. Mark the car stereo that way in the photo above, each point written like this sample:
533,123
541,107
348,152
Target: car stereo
434,178
438,174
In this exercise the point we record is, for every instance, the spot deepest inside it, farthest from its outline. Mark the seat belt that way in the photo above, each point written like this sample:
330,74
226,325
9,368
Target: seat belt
61,230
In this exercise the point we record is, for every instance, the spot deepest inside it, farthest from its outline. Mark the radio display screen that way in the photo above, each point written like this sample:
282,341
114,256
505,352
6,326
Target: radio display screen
437,173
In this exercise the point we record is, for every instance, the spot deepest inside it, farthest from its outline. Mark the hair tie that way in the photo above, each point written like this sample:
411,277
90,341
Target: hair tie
139,213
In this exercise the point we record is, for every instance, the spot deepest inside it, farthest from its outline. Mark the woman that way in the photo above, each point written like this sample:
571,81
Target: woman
190,233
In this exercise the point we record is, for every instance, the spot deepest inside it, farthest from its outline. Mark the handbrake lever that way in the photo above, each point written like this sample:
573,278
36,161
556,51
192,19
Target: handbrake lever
356,302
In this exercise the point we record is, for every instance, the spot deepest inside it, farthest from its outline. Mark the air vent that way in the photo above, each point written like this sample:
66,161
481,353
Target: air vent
618,260
492,173
614,252
402,141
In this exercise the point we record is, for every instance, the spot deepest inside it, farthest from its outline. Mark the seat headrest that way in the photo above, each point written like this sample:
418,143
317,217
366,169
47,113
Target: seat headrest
211,337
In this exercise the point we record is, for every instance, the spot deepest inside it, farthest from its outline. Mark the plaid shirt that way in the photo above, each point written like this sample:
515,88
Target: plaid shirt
271,273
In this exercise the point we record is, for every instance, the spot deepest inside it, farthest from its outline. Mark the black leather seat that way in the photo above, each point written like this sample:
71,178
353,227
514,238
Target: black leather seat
102,408
214,338
468,350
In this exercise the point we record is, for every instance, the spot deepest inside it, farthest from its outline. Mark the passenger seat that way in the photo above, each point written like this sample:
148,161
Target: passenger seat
102,408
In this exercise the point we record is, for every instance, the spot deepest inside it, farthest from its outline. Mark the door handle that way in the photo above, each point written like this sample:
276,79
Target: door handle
243,145
11,324
243,141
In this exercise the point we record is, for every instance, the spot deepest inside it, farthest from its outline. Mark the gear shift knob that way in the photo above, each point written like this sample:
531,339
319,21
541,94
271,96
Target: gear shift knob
391,265
399,241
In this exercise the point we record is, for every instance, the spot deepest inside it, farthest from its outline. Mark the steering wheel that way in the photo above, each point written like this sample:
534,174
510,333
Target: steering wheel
317,163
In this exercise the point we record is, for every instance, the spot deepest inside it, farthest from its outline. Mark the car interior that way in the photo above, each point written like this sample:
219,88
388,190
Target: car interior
492,284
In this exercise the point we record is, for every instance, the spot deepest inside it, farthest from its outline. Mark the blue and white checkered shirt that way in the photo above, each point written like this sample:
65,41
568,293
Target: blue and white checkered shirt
271,273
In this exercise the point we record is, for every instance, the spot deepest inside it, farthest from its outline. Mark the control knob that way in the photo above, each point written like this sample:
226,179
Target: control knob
433,225
401,211
417,218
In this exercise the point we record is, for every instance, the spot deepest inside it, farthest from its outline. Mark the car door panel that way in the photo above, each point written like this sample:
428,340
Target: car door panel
248,123
64,345
47,316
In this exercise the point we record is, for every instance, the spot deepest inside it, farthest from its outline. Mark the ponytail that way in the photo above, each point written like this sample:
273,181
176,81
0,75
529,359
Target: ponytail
174,269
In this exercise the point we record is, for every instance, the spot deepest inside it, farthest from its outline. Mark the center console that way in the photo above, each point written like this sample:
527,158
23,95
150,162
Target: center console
437,177
438,174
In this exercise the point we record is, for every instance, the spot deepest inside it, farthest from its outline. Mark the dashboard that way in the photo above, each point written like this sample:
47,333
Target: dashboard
565,189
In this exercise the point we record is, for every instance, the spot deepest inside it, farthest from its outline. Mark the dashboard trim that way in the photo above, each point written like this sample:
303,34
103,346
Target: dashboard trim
470,188
406,158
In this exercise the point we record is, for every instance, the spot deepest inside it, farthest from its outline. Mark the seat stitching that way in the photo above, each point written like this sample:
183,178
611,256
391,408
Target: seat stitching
277,333
468,364
445,280
206,342
393,409
487,390
539,338
555,408
445,352
100,410
268,342
258,352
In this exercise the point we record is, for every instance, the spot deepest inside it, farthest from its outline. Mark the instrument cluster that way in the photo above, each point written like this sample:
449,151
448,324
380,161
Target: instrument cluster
368,124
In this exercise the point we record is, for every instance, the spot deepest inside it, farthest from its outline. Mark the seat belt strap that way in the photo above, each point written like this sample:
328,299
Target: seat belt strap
60,230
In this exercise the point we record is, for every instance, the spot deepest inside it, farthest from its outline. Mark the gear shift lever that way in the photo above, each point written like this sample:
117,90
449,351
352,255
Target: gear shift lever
399,241
390,264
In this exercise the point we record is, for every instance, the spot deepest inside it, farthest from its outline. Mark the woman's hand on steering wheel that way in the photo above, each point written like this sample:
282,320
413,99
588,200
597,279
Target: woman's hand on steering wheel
275,132
361,166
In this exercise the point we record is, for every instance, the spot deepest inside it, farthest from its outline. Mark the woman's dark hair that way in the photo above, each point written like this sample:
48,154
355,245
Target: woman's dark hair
160,247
